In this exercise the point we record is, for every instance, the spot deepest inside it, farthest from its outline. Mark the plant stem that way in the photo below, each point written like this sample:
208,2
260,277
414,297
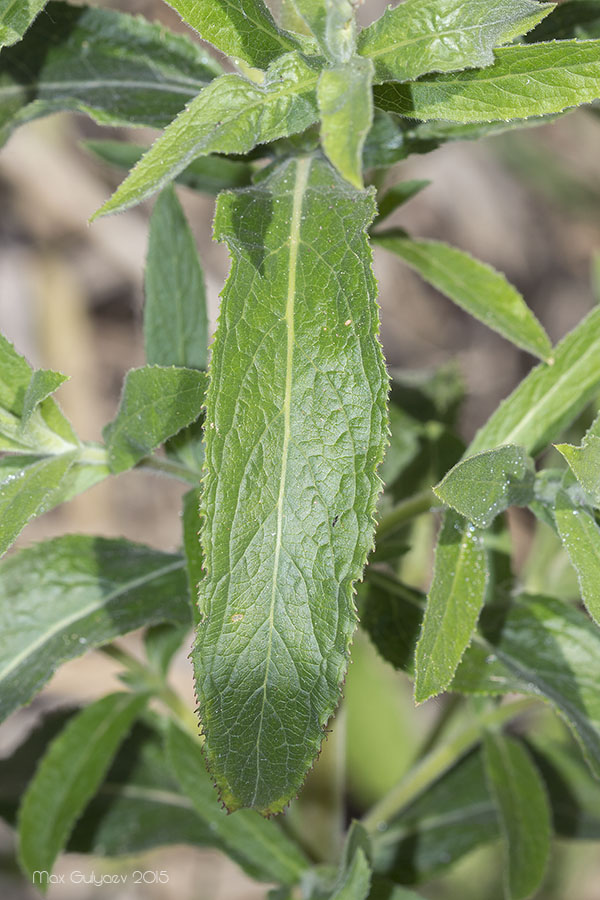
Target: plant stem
168,467
405,511
451,703
438,761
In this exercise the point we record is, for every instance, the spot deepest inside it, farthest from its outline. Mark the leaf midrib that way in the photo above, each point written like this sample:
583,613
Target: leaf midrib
302,173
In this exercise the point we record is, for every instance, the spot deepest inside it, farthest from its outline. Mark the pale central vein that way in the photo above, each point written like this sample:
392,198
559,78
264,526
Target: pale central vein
302,171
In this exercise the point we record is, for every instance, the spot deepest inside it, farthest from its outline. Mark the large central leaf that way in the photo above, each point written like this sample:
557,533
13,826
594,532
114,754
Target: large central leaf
296,427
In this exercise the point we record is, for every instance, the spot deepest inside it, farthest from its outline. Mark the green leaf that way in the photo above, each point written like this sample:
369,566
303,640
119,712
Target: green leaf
29,492
346,109
43,383
15,18
187,448
240,28
231,115
256,844
333,24
386,890
175,319
210,174
277,600
584,461
474,286
483,486
444,35
526,80
574,19
354,877
551,396
156,403
68,776
455,600
191,546
542,646
161,643
118,69
60,598
523,811
580,536
397,196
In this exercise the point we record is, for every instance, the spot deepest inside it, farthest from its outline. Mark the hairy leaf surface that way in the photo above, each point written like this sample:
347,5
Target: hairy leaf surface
296,425
15,18
244,29
580,536
231,115
332,23
118,69
474,286
584,461
72,768
346,109
525,80
444,35
62,597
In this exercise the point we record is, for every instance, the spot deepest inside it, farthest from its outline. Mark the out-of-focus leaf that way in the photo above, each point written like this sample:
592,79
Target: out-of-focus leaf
244,29
392,617
333,24
454,603
62,597
175,319
157,402
574,19
191,546
397,196
525,80
231,115
209,174
118,69
404,444
161,643
523,811
481,487
474,286
420,36
584,461
256,844
346,108
69,774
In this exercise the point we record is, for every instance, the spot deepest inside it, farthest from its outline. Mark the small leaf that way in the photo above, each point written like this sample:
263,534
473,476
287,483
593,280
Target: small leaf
333,24
244,29
43,383
60,598
525,80
68,776
580,536
483,486
29,492
584,461
346,109
288,500
454,603
231,115
15,19
444,35
523,810
118,69
210,174
474,286
550,397
397,196
256,844
175,319
156,403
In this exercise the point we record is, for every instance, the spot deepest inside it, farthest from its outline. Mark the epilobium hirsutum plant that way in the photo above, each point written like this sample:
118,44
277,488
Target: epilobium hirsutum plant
280,432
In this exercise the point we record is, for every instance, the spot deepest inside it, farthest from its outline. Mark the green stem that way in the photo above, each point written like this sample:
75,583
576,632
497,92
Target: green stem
435,764
451,704
168,467
405,511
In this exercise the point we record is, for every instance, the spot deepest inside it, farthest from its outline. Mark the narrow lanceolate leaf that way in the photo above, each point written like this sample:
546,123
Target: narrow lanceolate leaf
397,196
258,845
444,35
333,24
485,485
210,174
240,28
157,402
175,319
288,498
68,775
346,109
525,80
584,462
29,492
474,286
580,536
231,115
542,646
119,69
15,18
455,600
523,811
551,396
62,597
